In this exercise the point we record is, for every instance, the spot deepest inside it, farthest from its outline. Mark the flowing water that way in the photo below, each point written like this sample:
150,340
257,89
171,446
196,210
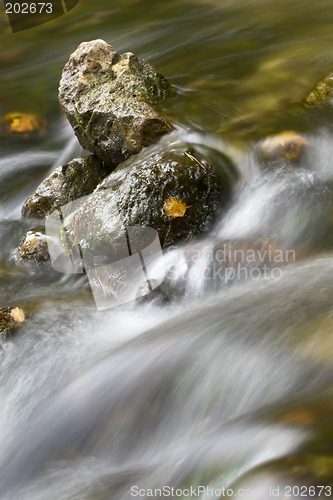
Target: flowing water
230,384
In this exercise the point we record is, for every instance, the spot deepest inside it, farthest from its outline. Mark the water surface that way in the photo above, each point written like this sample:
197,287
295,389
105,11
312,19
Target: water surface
225,386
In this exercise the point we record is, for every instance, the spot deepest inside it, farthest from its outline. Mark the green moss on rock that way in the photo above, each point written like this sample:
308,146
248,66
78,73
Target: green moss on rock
322,92
137,194
66,183
33,248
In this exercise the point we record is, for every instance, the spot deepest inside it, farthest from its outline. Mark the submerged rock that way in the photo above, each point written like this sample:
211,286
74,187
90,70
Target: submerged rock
322,92
10,319
294,476
66,183
33,248
110,99
177,193
287,147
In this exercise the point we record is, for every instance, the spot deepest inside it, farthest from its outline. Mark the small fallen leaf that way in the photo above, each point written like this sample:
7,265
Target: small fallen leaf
174,207
18,315
24,124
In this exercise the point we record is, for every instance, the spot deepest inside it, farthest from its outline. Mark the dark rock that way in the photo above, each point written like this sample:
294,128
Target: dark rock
10,319
177,193
110,99
66,183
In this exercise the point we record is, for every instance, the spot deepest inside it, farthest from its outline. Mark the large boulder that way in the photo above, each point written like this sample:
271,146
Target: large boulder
177,193
66,183
110,99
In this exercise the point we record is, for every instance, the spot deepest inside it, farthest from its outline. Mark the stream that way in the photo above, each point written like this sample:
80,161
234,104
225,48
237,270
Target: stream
224,390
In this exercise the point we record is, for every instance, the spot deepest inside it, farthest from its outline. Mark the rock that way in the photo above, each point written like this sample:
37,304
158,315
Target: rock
110,99
176,192
287,147
10,319
33,248
66,183
322,93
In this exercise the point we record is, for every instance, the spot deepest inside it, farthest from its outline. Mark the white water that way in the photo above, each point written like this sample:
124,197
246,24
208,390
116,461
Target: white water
186,393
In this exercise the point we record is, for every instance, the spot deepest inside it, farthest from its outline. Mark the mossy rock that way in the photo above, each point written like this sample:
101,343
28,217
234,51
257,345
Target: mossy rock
322,92
66,183
177,193
110,99
33,248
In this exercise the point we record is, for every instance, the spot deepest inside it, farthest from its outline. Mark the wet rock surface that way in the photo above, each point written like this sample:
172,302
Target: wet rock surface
66,183
110,99
33,248
177,193
322,92
285,148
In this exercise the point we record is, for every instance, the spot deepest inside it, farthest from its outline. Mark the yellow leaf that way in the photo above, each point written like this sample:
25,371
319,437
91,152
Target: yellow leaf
24,124
174,207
